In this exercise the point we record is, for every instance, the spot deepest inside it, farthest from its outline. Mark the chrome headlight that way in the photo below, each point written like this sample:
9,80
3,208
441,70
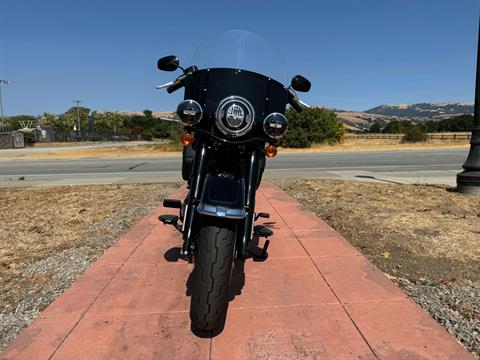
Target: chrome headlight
234,116
275,125
190,112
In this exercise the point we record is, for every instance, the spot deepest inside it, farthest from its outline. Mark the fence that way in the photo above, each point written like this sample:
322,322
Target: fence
430,136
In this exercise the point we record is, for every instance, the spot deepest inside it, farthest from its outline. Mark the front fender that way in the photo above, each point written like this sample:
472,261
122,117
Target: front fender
223,196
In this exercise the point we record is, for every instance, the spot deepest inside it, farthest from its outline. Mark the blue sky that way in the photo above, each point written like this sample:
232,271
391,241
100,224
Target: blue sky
357,54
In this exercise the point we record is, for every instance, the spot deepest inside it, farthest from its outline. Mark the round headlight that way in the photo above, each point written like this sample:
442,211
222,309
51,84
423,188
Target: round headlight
190,112
234,116
275,125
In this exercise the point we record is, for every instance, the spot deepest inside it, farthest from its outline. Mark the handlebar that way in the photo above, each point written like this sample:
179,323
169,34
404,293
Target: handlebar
293,100
175,86
180,81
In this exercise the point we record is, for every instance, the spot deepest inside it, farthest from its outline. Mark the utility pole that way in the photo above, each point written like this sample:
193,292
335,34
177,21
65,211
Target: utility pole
78,119
2,124
468,181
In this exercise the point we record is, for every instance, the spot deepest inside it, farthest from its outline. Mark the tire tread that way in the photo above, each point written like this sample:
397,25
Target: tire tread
211,275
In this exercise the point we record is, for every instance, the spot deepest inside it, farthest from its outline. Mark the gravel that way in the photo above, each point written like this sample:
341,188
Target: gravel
62,269
455,307
36,273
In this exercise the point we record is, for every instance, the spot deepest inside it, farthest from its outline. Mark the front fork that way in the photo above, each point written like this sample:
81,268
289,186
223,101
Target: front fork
253,170
198,176
193,199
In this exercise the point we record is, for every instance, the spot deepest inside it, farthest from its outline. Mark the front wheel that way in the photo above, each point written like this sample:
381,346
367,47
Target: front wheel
213,259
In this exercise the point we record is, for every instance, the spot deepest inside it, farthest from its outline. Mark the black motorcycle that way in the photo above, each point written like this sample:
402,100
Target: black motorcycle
229,117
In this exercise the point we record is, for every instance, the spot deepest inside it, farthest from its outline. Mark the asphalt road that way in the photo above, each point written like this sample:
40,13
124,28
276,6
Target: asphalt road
432,166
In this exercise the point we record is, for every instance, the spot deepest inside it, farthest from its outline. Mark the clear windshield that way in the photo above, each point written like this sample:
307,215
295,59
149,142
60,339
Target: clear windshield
240,49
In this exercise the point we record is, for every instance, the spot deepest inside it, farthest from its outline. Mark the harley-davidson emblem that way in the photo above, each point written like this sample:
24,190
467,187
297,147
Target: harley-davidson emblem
235,115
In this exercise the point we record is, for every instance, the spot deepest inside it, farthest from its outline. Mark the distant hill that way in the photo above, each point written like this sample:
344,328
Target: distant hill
361,121
423,110
417,113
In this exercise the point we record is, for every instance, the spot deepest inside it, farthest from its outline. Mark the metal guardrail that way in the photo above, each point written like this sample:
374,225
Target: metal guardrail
430,136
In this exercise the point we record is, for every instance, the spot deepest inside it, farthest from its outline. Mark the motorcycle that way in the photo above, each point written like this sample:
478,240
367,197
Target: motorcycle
233,119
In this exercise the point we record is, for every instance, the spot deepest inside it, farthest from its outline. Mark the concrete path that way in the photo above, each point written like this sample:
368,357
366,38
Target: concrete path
316,297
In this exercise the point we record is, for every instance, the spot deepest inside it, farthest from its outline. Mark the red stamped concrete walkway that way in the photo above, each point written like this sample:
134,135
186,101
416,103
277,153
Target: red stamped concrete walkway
316,297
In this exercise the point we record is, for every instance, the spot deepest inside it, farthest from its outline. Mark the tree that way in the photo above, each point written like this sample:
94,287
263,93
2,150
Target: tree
431,126
313,125
68,120
397,127
376,127
460,123
107,122
17,122
47,119
415,134
456,123
152,126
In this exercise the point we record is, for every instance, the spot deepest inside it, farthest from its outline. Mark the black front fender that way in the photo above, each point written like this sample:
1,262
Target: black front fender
223,196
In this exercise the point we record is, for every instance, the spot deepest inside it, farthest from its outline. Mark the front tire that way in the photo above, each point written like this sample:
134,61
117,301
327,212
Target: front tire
213,259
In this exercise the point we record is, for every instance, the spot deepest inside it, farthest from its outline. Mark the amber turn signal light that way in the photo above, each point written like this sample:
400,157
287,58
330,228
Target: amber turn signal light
186,139
271,151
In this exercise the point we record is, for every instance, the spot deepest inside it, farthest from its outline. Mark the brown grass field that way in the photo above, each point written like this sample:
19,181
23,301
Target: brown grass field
169,149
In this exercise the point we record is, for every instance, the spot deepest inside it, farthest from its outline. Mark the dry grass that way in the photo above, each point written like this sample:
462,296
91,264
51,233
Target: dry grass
173,148
69,143
40,222
382,145
409,231
149,150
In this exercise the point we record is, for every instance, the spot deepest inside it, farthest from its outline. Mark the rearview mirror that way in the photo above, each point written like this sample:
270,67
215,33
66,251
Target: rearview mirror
168,63
299,83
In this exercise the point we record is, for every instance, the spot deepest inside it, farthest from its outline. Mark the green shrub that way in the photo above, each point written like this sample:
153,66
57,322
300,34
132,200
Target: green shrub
28,138
398,127
295,138
137,130
314,125
175,131
456,123
148,133
415,134
124,131
376,127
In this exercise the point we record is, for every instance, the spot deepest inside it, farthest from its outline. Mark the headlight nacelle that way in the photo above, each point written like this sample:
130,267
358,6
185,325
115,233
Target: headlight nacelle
275,125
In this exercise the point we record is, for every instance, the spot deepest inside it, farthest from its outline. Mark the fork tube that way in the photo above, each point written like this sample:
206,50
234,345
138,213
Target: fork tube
199,168
250,202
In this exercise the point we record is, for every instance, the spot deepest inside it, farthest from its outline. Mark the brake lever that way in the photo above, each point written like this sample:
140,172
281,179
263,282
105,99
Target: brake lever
158,87
304,104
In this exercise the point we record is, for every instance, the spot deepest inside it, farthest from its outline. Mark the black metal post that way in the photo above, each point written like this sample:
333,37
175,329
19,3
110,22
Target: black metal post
468,181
